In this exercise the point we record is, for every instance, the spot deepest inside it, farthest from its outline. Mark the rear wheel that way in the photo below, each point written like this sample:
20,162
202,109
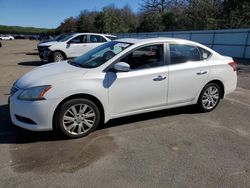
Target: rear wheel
78,117
57,56
209,97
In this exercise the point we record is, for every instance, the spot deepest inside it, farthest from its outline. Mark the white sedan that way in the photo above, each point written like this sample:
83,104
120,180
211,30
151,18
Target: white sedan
7,37
120,78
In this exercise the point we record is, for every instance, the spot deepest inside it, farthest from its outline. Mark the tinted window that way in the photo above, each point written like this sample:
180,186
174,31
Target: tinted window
204,53
181,53
79,39
145,57
96,39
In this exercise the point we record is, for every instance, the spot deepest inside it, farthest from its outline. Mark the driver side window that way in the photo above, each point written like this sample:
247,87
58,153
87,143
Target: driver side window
145,57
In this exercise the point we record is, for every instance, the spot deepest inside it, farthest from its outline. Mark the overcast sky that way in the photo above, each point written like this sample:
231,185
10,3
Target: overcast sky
49,13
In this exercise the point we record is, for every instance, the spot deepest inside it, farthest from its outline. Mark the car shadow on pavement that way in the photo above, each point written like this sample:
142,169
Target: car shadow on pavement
11,134
151,116
32,63
32,53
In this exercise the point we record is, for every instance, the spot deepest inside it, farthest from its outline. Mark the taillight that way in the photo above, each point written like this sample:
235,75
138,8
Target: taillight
233,65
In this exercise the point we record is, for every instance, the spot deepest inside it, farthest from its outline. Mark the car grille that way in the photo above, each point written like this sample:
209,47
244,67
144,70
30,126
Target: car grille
13,90
42,48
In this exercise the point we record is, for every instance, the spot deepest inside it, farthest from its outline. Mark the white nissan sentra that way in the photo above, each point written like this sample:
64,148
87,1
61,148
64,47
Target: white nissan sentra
120,78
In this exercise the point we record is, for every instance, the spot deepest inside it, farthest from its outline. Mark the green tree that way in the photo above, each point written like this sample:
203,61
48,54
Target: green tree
150,23
203,14
85,21
236,14
69,25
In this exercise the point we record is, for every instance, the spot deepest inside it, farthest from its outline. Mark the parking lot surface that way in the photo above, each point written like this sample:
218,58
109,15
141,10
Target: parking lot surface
172,148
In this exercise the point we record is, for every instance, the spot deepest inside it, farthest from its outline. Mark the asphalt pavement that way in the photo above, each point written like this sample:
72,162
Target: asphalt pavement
171,148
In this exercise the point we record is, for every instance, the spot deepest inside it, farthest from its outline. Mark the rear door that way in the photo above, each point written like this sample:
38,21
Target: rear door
188,72
95,40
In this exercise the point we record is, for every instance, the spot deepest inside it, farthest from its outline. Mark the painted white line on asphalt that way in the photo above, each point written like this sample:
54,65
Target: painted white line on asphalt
237,101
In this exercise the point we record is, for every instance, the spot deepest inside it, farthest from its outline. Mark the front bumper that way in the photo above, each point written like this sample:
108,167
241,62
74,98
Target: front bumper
44,53
40,112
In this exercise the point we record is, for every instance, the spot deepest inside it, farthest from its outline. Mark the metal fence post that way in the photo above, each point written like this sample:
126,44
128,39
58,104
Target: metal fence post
246,44
212,45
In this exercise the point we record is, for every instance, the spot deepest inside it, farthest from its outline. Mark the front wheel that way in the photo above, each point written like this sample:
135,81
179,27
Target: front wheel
57,56
78,117
209,97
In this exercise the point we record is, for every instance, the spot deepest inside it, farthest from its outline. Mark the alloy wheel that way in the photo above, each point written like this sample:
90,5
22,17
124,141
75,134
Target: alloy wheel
59,57
79,119
210,97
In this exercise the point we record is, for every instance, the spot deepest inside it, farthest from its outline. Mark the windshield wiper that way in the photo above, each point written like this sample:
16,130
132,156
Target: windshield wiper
74,63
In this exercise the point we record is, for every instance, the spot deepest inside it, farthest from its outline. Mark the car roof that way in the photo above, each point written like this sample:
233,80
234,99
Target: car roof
160,39
101,34
142,41
155,39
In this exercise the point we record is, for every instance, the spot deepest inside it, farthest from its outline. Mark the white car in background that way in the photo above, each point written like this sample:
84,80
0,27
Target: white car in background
120,78
7,37
71,46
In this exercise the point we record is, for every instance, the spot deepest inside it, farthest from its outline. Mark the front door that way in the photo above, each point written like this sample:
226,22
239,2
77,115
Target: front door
144,86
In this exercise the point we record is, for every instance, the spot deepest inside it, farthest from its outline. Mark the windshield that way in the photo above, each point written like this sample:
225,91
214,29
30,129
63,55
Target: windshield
66,38
60,37
99,55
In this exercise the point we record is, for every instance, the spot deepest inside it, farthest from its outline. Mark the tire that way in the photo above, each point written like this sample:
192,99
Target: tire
209,98
74,124
57,57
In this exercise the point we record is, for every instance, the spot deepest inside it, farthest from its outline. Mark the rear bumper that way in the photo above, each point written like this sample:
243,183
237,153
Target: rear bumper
230,84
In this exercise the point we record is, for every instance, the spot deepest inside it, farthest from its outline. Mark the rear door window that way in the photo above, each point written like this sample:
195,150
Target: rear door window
97,39
181,53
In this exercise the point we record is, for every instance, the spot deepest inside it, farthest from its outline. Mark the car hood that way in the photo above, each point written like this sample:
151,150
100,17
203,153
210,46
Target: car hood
50,74
47,40
48,43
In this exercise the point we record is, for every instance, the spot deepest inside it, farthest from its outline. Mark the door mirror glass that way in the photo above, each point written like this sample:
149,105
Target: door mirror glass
122,67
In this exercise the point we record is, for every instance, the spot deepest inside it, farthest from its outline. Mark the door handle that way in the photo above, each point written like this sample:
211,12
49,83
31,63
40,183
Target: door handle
160,78
201,72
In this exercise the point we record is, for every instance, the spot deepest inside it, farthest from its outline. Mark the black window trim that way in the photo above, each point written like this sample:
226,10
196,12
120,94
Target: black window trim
211,54
165,59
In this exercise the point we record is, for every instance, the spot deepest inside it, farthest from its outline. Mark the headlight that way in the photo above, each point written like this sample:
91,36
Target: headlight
34,93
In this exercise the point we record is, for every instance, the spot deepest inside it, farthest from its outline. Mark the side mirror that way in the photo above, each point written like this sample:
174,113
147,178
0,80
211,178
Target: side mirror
69,42
122,67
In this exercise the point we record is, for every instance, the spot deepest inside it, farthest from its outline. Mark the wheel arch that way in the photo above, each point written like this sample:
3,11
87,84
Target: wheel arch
77,96
54,51
220,84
